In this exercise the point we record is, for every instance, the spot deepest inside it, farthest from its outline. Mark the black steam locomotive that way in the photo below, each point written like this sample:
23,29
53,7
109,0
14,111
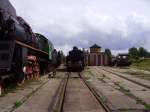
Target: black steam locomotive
20,45
75,60
121,60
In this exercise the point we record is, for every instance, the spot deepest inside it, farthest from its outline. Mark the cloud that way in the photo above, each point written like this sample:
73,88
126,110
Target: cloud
117,25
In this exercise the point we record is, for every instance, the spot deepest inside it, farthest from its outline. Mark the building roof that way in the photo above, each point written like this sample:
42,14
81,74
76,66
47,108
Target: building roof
95,46
123,54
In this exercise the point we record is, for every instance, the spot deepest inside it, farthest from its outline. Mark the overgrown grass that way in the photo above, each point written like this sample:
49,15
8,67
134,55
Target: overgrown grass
17,104
11,88
147,106
143,64
139,74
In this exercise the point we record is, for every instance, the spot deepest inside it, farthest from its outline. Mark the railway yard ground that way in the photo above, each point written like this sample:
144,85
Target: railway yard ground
96,89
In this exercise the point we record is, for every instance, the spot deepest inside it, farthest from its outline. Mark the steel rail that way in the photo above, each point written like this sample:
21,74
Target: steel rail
97,96
62,94
59,97
117,74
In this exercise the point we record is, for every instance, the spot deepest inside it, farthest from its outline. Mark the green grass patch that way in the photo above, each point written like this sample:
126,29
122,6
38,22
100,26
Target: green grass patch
143,64
139,74
17,104
147,106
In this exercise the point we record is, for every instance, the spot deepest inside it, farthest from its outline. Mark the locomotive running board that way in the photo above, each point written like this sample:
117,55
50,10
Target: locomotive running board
30,47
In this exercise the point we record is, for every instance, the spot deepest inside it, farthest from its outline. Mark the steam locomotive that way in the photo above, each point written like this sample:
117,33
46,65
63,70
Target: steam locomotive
75,60
20,45
121,60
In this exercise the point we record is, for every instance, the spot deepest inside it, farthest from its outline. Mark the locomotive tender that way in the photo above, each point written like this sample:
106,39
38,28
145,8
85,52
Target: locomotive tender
18,42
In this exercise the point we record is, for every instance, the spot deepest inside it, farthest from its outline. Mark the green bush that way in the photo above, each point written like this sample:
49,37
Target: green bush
141,63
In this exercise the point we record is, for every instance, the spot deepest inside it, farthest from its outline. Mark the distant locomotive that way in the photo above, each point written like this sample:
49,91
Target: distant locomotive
121,60
19,45
75,60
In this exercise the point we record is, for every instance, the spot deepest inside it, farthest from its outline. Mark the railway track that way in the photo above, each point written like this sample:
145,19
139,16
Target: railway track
77,95
135,90
121,76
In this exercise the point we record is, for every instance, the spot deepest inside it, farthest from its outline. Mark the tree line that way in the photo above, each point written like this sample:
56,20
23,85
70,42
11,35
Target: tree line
136,53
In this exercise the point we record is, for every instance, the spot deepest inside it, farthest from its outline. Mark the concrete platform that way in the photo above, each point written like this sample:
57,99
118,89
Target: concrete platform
41,101
134,78
116,100
8,101
132,87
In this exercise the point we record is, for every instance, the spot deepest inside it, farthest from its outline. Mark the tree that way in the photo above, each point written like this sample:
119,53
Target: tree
133,52
143,52
63,57
108,53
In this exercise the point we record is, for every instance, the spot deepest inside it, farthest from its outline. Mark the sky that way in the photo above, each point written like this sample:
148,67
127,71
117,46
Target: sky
114,24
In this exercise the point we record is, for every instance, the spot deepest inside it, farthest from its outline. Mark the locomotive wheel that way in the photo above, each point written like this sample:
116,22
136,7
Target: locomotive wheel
21,78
